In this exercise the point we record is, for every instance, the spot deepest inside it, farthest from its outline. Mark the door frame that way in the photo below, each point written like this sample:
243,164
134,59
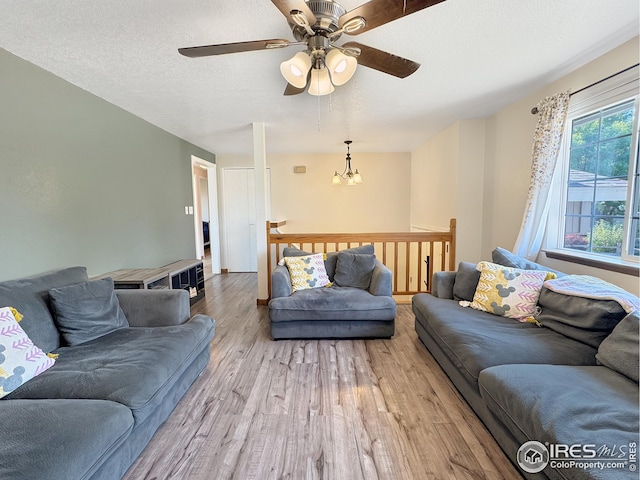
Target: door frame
214,222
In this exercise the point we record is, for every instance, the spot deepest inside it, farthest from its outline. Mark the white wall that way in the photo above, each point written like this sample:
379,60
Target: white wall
449,166
512,130
309,203
434,172
447,182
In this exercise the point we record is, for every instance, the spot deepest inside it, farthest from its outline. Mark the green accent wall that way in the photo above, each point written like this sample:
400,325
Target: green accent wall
83,182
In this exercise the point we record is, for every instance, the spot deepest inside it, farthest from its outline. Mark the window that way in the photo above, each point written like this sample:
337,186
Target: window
601,208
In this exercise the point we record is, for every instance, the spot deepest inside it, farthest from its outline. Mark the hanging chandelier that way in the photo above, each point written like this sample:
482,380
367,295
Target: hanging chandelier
352,178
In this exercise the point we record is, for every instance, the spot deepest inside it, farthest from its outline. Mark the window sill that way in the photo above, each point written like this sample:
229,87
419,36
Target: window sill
597,261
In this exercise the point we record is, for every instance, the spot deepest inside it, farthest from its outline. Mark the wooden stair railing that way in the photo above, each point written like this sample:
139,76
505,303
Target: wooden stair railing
412,257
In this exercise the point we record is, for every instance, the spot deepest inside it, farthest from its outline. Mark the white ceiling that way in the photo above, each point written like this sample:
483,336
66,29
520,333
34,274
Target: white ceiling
477,56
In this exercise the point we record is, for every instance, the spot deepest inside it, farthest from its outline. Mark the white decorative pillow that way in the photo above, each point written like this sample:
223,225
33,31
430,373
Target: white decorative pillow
307,271
20,359
507,291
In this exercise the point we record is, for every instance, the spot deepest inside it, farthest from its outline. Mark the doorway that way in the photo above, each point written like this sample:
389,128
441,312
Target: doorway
205,218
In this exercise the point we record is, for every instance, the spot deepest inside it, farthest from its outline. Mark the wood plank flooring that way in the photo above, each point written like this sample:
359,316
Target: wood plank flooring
329,409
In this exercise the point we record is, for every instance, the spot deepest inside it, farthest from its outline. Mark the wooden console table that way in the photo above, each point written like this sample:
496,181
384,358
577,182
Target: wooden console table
134,278
185,274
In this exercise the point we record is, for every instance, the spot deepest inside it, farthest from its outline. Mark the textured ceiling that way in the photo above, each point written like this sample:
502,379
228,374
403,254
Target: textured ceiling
476,56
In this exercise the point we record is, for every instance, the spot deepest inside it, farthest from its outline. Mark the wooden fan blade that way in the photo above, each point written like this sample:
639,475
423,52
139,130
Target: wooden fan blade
291,90
379,12
383,61
285,7
224,48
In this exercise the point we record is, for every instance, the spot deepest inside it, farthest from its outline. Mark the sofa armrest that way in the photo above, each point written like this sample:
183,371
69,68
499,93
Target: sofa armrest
443,284
381,280
155,308
280,282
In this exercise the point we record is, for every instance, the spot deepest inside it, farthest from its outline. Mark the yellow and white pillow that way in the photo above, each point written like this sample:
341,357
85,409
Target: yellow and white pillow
20,359
307,271
507,291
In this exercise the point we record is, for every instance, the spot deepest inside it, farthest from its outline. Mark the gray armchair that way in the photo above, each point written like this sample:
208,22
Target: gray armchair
339,311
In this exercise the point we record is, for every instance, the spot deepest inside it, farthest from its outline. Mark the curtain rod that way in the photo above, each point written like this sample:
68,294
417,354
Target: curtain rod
534,110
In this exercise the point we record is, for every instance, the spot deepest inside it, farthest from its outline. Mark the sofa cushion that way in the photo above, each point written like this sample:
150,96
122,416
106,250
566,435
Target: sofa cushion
332,257
294,252
63,439
30,296
334,303
85,311
131,366
476,340
534,403
20,359
307,271
466,281
504,257
507,291
620,351
354,270
584,319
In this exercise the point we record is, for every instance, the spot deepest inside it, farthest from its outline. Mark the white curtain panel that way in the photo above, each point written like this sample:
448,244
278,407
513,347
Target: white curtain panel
552,115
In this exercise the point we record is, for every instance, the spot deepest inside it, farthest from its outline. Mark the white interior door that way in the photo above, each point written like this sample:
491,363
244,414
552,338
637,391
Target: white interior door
239,208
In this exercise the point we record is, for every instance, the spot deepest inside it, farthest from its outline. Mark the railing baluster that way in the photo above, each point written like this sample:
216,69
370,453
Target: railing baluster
419,266
429,245
407,266
395,266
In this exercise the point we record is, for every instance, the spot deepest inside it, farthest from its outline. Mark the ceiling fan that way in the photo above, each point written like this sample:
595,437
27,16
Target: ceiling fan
318,24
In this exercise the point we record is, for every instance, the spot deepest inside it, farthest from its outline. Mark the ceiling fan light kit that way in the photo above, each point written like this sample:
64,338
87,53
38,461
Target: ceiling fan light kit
320,82
341,66
295,70
318,24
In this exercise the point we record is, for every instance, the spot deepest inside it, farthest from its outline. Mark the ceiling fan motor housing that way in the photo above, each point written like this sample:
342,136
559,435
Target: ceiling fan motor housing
327,14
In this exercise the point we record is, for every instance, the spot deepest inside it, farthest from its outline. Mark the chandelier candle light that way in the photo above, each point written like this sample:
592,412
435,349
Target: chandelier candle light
348,175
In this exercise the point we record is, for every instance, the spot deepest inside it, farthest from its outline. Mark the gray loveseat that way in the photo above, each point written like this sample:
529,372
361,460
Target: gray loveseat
364,311
91,414
531,383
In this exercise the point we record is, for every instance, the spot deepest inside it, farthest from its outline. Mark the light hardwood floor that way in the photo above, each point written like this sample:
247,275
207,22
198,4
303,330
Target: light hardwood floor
328,409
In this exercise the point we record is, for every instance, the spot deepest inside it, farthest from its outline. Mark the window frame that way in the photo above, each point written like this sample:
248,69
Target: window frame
608,94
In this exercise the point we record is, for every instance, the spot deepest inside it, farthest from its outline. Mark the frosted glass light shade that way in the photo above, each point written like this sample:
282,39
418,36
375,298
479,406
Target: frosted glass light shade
356,177
320,83
341,66
295,69
336,179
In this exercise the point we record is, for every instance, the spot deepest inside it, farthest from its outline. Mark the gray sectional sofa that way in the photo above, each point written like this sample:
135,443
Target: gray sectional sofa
569,386
91,414
361,306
